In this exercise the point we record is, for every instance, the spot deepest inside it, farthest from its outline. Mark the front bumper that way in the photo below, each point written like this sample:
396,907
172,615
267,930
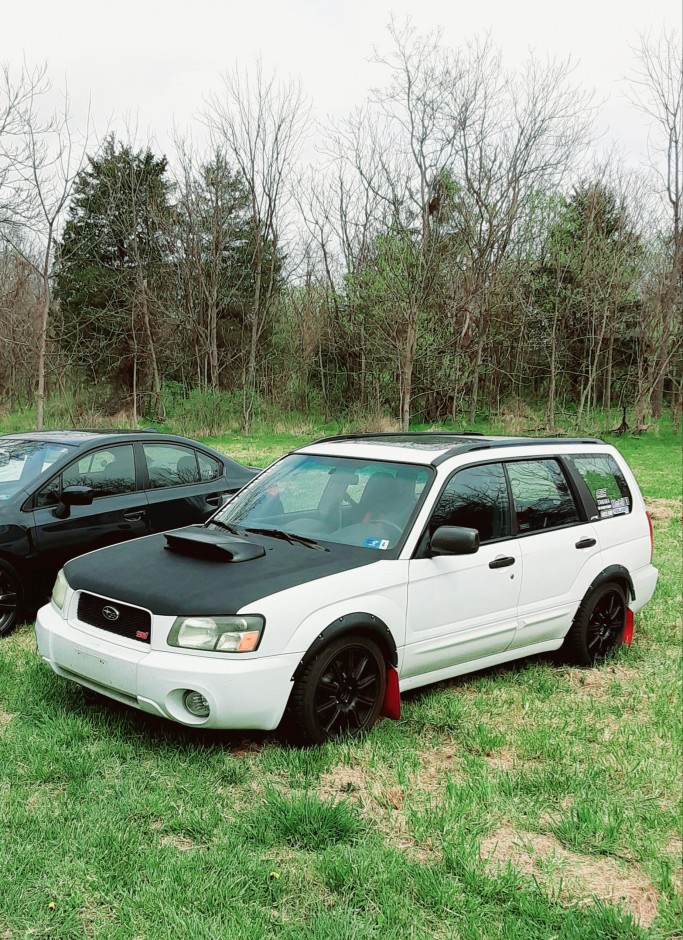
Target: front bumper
251,693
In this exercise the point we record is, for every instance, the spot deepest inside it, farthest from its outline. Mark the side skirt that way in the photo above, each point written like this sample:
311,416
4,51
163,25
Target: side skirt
416,682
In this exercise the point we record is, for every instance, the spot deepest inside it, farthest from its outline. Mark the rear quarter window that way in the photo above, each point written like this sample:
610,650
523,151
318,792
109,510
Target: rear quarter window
606,484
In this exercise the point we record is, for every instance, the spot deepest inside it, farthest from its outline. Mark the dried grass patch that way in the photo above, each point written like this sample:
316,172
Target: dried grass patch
505,759
5,718
663,508
597,680
675,850
380,796
579,878
181,843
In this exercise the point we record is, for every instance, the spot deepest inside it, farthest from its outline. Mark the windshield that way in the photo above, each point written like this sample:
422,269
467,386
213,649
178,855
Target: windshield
21,462
331,499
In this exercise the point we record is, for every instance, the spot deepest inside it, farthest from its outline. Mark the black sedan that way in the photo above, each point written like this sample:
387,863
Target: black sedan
63,493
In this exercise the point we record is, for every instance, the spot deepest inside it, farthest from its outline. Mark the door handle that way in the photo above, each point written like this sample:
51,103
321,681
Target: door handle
134,516
585,543
503,561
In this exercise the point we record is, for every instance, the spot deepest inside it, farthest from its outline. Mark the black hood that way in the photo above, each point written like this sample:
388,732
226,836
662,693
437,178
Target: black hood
143,573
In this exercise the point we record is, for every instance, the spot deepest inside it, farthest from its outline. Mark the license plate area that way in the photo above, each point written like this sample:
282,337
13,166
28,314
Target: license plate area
97,665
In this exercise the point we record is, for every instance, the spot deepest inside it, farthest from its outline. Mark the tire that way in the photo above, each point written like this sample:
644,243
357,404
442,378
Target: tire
11,598
340,693
598,627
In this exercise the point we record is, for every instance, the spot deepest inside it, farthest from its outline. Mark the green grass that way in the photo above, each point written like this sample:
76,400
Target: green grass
116,825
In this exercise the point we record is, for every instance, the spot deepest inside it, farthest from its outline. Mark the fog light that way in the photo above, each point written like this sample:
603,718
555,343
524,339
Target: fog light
196,704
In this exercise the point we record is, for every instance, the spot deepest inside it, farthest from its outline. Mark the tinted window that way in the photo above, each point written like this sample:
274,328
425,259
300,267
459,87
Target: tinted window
541,494
476,498
170,465
22,461
108,472
209,469
606,483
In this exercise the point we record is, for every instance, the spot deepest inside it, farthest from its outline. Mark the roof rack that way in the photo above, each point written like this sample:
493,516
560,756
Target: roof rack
493,444
478,441
372,435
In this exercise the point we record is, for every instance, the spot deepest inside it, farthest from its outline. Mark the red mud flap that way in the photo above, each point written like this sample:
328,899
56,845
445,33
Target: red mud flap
391,706
627,637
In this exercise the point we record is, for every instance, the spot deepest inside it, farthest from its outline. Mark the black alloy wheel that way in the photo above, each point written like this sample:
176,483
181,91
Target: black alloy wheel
606,625
340,692
10,598
598,627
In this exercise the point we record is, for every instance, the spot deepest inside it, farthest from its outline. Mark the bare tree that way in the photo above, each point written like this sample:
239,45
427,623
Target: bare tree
260,123
46,161
657,90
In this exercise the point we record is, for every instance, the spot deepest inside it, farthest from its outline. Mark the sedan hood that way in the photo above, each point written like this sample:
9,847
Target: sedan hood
143,573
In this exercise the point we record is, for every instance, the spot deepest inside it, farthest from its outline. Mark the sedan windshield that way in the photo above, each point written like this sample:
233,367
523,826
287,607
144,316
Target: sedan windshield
21,462
330,499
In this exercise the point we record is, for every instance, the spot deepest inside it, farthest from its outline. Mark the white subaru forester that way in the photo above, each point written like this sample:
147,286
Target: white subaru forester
354,569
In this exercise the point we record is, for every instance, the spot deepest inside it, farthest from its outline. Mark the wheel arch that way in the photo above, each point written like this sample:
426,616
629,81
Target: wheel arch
354,624
615,574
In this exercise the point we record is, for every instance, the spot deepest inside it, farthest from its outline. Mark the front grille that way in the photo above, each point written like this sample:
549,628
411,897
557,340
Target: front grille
131,622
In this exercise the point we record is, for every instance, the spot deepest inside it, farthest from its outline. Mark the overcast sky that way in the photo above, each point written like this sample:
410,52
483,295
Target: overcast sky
155,60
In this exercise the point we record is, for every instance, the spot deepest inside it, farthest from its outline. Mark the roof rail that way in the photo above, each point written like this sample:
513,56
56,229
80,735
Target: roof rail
515,442
372,435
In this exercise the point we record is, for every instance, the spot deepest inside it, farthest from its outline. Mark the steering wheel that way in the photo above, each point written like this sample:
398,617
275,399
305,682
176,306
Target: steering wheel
388,524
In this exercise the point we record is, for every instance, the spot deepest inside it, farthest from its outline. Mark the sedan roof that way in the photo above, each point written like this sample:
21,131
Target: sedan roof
73,437
84,435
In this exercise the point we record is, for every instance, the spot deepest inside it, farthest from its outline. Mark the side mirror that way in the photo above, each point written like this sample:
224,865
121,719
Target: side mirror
73,496
454,540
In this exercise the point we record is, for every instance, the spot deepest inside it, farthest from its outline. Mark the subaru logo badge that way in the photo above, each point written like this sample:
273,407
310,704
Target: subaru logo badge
111,613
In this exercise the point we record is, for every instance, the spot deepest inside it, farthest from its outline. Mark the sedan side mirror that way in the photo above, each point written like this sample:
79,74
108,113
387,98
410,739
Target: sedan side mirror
454,540
73,496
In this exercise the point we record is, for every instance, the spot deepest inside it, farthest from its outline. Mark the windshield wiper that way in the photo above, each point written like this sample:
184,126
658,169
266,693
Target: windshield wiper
228,527
290,537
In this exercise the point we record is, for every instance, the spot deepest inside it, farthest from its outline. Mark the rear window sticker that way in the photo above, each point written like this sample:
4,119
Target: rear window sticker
606,513
601,493
382,544
620,506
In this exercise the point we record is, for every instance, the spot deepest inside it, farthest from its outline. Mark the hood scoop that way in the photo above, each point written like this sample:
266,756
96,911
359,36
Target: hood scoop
199,542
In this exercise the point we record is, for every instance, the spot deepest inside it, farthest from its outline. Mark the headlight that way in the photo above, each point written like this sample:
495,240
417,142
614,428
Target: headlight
222,634
59,590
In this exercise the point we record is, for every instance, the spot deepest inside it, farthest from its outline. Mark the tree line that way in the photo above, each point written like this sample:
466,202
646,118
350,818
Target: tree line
450,248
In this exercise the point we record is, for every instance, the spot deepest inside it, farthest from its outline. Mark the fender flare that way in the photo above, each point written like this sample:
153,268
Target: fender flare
360,624
614,573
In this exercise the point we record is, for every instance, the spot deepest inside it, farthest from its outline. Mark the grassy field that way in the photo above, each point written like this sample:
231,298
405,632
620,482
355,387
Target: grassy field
531,801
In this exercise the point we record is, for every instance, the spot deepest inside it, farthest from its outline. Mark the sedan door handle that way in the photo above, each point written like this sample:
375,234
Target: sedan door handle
503,561
134,516
585,543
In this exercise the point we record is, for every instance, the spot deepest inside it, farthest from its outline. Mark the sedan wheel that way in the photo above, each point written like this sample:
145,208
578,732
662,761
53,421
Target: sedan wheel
10,598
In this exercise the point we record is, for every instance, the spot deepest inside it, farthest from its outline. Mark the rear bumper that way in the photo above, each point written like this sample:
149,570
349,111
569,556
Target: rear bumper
252,693
644,584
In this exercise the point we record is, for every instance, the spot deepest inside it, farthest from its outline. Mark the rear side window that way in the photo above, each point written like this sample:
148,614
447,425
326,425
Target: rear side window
605,482
541,494
209,469
476,498
170,465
